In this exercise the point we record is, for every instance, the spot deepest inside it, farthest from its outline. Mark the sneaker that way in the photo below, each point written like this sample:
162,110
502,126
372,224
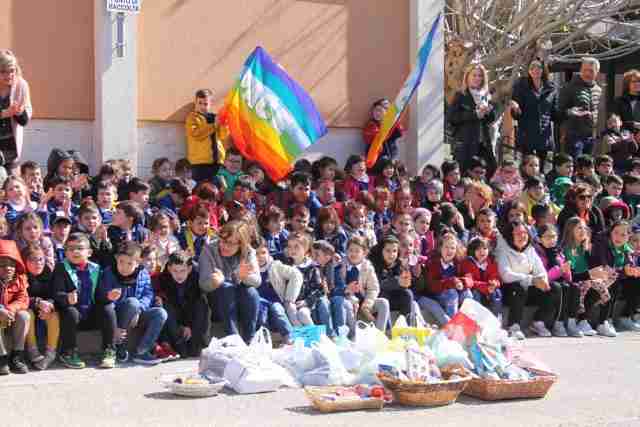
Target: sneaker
559,330
122,354
165,352
515,332
146,358
17,363
34,355
108,359
607,330
4,365
538,328
626,324
47,360
573,329
586,328
71,360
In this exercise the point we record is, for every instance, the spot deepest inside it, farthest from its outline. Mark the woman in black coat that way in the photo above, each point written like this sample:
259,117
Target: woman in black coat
579,202
627,105
471,115
534,105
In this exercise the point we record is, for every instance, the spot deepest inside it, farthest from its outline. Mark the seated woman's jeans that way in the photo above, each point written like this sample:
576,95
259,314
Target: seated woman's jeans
234,305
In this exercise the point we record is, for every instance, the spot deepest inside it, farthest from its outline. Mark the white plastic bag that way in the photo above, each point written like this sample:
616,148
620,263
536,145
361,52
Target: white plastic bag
261,342
369,370
251,374
448,352
369,339
329,369
219,353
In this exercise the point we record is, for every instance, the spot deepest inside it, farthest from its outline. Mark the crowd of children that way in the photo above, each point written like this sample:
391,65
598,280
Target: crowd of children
151,263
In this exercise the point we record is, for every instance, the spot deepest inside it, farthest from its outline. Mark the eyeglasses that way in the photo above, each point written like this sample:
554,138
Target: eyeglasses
36,260
229,242
8,71
585,197
76,248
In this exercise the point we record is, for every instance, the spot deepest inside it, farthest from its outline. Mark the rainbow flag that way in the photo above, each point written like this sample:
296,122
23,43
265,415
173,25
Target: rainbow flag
392,116
271,118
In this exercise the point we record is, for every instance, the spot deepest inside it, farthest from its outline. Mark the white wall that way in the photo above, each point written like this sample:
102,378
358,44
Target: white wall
157,139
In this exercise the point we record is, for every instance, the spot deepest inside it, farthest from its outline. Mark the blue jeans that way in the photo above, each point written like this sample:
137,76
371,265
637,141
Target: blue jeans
577,146
452,298
151,320
493,301
236,303
274,316
338,312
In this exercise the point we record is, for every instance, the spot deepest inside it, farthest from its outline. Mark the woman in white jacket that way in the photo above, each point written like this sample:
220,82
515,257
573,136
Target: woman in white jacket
525,281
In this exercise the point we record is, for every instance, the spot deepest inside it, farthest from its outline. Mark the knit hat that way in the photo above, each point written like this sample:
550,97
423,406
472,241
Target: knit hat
607,204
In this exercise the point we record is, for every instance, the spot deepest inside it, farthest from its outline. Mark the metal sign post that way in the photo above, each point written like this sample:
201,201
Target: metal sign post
122,8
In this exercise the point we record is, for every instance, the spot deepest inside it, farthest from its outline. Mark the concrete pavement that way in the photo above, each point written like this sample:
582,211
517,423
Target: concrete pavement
598,386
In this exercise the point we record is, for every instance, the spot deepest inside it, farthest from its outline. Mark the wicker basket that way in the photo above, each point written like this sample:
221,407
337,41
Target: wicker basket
534,388
424,394
314,394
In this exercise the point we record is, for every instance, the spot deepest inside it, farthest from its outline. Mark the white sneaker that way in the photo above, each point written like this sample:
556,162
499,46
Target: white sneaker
606,330
586,328
515,332
626,324
538,328
573,329
559,330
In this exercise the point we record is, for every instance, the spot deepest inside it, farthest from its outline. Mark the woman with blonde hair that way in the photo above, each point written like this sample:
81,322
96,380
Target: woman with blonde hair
230,276
15,106
627,106
471,114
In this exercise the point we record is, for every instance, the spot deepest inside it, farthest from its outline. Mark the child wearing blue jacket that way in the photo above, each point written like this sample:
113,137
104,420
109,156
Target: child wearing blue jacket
134,304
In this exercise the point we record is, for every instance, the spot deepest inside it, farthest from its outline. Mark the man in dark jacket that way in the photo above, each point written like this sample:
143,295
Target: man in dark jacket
579,102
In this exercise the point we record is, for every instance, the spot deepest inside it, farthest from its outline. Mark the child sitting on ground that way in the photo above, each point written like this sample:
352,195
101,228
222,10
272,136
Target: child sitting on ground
279,291
41,307
482,269
76,289
14,302
197,234
128,286
188,315
159,183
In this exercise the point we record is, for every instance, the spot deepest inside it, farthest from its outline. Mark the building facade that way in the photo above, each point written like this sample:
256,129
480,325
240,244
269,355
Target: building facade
87,97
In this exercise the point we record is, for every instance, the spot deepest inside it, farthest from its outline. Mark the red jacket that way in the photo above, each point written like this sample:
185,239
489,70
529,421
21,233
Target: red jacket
470,269
14,294
351,188
436,284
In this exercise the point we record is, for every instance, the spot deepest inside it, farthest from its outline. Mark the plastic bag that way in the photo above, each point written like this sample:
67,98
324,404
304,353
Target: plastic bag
417,331
448,352
310,334
219,353
368,372
326,355
250,373
369,339
261,342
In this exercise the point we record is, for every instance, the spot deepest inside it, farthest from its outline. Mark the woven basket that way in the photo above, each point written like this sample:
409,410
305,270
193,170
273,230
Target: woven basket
535,388
410,393
314,394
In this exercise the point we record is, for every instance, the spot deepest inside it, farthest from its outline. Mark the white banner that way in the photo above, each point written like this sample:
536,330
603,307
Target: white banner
132,6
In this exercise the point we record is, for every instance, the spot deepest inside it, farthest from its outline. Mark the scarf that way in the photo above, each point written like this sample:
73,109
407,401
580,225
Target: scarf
480,96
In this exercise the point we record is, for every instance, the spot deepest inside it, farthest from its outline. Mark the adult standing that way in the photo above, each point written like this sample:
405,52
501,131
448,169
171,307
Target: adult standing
627,106
15,106
534,105
471,114
579,103
230,276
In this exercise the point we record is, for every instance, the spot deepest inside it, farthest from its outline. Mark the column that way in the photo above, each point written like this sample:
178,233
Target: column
424,141
115,132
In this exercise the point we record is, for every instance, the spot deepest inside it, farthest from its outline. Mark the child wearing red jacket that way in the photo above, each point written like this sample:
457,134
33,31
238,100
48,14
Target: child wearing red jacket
444,280
14,303
483,271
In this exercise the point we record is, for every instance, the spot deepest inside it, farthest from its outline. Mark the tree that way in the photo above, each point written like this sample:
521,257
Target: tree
505,35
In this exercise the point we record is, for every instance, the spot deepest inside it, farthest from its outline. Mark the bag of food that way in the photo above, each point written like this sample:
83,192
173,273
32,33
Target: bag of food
219,353
418,330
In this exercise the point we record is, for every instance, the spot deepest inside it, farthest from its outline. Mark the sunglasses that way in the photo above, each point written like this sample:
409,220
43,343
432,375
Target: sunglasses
585,197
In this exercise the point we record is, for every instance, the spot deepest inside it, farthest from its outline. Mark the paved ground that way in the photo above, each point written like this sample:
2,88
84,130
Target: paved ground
598,386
